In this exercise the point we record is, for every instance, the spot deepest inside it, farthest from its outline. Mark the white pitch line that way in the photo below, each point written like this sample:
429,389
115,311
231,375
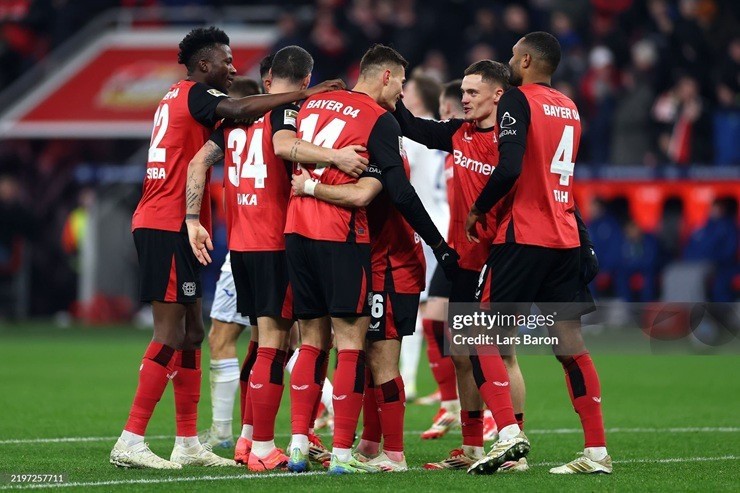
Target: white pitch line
556,431
315,473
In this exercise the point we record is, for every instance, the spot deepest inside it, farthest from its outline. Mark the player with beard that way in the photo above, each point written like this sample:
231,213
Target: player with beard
169,272
537,254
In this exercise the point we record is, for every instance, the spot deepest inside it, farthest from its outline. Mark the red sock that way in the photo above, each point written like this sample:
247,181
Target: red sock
391,398
585,394
324,356
266,390
371,430
493,384
245,399
520,420
472,428
187,391
305,388
349,386
157,366
442,366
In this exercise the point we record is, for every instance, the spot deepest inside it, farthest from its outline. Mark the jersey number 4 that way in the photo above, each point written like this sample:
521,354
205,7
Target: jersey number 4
254,165
562,162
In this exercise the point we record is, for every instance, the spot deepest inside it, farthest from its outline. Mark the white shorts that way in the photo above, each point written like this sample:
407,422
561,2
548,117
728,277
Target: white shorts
224,301
431,261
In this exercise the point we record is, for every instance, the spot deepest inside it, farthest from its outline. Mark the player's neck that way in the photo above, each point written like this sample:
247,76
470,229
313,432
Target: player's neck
536,79
371,90
279,86
487,122
197,77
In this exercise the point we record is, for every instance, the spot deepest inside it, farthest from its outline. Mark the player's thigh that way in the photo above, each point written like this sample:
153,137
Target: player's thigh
305,265
168,270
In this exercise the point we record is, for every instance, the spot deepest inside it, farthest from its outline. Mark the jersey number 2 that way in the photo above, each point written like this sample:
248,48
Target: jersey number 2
161,120
562,162
254,166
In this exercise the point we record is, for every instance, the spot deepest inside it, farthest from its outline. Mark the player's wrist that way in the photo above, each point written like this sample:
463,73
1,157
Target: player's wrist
309,188
192,217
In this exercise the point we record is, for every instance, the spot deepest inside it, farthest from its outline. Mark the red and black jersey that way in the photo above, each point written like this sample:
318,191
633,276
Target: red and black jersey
334,119
539,134
183,121
256,181
398,263
474,156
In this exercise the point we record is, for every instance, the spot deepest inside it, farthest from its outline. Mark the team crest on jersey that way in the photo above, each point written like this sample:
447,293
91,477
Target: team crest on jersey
188,288
216,93
289,117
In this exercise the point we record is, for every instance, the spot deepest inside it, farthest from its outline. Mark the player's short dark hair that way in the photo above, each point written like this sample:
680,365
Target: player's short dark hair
381,56
491,72
265,65
428,90
244,86
453,90
292,63
197,43
545,47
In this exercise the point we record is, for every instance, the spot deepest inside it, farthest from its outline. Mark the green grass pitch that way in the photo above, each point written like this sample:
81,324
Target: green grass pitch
673,423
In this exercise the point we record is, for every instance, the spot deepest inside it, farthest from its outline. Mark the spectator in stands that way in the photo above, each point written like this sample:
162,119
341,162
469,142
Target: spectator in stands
638,266
685,135
606,235
599,88
717,244
633,132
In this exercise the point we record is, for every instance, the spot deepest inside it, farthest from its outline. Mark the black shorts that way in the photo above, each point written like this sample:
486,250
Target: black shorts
262,287
439,286
463,286
168,270
393,315
328,277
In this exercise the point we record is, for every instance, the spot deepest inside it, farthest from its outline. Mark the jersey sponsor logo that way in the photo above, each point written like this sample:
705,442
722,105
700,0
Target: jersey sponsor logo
289,117
155,174
507,121
188,288
216,93
469,163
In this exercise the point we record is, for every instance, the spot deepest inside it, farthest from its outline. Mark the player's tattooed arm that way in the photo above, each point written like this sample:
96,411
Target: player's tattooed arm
347,159
350,195
200,240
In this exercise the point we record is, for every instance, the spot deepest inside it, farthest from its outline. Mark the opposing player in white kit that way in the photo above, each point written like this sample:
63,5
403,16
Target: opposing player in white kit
421,97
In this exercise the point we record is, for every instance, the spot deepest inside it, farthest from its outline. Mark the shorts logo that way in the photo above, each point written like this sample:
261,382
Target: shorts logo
188,288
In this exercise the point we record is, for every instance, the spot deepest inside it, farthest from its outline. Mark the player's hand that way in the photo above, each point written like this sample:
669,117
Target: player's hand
349,160
298,182
474,216
447,258
589,264
327,85
200,241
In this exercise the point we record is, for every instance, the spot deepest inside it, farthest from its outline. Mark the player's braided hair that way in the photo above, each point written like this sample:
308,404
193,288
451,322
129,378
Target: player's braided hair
292,63
380,55
491,72
546,47
197,42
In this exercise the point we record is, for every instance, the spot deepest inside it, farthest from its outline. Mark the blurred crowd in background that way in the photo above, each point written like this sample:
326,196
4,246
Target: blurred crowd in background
657,83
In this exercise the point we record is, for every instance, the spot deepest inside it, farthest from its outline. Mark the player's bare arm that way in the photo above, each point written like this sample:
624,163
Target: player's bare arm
348,159
351,195
200,240
258,105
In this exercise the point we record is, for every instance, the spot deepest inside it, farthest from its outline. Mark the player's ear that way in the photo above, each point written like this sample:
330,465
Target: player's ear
497,93
526,60
306,81
203,65
386,76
